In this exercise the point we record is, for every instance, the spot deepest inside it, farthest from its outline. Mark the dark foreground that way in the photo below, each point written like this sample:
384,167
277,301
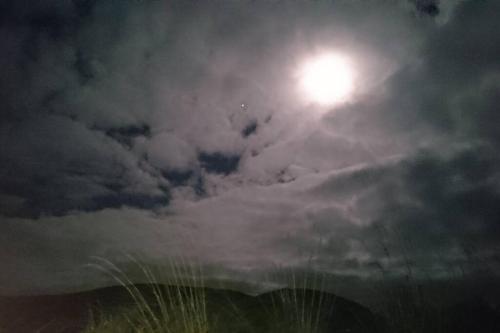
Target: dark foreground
240,313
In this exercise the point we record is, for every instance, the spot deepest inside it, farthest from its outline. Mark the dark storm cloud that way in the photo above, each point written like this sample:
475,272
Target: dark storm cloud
185,109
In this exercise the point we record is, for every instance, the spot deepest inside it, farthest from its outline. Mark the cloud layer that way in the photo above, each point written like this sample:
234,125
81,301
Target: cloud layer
159,128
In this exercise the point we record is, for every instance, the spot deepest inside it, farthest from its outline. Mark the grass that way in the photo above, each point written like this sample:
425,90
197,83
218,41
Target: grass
179,307
186,305
298,308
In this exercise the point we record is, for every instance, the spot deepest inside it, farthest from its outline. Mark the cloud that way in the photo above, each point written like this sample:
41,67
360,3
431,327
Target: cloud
175,100
126,124
428,7
56,164
428,210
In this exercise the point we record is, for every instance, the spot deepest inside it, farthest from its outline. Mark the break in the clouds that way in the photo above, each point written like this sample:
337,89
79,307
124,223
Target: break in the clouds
175,128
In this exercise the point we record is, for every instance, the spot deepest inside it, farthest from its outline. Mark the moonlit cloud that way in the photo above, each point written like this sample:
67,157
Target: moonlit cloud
157,128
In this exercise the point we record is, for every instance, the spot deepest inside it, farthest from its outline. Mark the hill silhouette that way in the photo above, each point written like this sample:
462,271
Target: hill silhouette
277,311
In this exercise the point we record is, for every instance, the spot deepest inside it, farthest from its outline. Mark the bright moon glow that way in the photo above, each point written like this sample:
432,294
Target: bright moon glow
327,79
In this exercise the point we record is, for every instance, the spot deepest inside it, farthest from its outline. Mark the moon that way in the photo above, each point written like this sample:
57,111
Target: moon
327,79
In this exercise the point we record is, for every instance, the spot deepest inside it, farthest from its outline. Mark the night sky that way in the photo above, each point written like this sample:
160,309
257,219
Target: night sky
176,129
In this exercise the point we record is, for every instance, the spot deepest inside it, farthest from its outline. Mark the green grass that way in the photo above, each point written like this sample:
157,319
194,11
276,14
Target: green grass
166,309
297,309
185,305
